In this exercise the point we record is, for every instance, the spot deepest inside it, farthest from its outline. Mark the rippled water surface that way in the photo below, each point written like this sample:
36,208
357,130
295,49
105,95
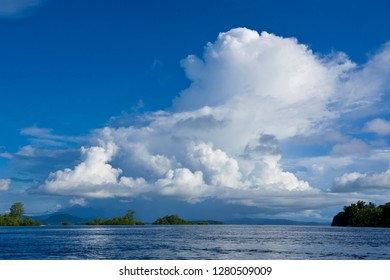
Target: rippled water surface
194,242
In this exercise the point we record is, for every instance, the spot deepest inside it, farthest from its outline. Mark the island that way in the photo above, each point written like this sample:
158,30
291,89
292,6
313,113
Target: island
15,217
127,219
176,220
361,214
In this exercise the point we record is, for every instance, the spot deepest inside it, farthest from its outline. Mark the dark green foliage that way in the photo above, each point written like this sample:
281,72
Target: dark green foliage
97,221
385,215
66,223
127,219
30,222
176,220
14,218
363,215
7,220
172,220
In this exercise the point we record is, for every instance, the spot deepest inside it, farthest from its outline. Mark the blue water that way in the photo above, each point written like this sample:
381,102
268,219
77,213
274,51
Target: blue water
194,242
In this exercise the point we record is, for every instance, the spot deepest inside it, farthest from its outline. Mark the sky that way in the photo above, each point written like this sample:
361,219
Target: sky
207,109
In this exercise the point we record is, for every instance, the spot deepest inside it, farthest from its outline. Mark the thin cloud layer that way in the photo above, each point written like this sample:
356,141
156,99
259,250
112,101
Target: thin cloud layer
378,126
14,8
221,138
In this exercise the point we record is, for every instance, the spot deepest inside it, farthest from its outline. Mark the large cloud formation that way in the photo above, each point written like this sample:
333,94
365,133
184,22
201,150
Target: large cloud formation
221,137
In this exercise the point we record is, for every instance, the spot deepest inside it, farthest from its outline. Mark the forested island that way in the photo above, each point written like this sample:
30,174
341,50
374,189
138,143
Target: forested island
176,220
15,217
127,219
363,215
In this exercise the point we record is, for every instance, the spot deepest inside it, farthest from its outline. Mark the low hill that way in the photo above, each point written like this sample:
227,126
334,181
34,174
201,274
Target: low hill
264,221
58,219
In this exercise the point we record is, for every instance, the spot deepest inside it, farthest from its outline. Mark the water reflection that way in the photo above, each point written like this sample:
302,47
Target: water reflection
194,242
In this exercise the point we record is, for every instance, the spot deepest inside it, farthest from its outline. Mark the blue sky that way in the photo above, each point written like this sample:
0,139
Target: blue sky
209,109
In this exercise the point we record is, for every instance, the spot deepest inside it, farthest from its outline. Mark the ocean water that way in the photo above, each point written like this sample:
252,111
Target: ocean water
193,242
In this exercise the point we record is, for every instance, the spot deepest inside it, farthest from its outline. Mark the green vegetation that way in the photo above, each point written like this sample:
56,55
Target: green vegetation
66,223
127,219
15,217
172,220
176,220
363,215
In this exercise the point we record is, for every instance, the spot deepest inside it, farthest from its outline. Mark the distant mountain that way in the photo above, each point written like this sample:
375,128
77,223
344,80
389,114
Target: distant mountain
81,214
58,219
90,213
264,221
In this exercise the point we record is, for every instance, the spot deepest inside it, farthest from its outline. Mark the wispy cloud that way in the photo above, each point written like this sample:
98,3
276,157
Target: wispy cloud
352,147
45,137
4,184
17,8
78,201
378,126
44,151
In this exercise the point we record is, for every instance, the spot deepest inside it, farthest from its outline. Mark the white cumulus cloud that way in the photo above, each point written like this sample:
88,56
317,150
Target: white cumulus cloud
183,183
220,169
93,177
262,81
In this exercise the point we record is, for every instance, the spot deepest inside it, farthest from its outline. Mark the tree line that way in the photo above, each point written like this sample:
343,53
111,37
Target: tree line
127,219
361,214
16,212
15,217
176,220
